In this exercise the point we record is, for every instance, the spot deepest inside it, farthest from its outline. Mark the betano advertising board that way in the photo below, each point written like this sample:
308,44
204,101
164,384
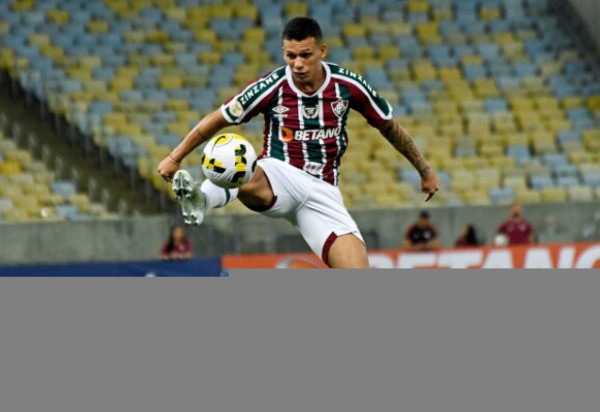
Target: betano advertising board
559,256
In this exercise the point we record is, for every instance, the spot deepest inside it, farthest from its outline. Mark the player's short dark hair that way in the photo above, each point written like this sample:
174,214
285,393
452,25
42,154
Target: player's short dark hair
300,28
424,214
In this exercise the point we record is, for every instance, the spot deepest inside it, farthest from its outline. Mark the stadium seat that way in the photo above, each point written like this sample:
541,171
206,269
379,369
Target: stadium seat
507,72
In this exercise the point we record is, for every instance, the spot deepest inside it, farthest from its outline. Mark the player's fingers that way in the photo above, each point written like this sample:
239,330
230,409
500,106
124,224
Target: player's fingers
428,196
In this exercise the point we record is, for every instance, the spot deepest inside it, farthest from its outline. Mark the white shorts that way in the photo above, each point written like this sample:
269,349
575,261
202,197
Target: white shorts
315,207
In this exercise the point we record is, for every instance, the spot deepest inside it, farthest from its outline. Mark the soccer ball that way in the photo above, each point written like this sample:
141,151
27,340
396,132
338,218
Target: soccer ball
228,160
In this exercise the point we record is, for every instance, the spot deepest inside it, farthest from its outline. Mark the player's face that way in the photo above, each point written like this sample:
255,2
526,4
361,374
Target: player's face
515,211
304,58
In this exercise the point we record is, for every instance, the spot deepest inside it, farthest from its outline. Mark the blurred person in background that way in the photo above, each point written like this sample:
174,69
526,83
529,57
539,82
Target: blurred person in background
177,246
468,237
421,236
515,230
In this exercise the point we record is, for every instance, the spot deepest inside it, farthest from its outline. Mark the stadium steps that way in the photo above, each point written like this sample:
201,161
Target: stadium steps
45,141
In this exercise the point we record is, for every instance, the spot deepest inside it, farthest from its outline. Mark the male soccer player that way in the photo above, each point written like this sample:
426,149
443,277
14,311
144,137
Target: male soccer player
305,105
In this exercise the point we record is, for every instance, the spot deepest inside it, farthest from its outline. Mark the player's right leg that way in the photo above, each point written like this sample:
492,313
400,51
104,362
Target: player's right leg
195,199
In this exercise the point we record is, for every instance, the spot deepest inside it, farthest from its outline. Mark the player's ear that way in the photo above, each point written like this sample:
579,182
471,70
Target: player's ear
323,48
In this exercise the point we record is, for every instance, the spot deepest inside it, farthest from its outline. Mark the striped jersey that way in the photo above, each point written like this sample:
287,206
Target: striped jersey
308,131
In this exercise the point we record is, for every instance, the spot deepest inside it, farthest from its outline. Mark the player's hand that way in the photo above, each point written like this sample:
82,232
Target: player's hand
430,185
167,168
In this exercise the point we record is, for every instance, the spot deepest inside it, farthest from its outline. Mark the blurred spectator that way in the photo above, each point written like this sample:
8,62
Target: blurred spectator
516,230
422,235
177,246
468,237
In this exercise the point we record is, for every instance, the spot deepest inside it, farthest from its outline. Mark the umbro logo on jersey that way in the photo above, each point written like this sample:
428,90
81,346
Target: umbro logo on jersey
310,112
280,109
339,107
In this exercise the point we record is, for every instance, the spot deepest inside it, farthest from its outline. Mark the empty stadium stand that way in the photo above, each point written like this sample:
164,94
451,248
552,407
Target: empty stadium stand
503,97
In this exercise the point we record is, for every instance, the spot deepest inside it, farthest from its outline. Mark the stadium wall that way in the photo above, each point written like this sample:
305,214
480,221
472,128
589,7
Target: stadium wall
140,238
589,11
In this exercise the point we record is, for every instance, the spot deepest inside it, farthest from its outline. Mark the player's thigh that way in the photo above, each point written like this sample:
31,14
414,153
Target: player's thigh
257,193
278,189
326,225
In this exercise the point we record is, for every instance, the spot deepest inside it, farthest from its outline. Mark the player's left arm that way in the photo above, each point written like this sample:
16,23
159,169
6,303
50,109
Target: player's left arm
403,143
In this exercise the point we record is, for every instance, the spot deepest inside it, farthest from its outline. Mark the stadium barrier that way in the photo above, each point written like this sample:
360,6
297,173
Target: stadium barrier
560,256
174,268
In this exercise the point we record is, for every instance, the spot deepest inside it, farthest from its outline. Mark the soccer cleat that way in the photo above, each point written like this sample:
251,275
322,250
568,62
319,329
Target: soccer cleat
190,197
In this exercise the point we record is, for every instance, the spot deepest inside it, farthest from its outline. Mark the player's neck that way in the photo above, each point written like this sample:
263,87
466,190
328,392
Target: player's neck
312,85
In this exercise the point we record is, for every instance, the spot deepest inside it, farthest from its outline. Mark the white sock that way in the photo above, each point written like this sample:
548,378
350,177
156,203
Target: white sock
217,196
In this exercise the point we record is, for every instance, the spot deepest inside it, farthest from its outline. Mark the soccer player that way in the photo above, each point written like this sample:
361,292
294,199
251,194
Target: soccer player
305,105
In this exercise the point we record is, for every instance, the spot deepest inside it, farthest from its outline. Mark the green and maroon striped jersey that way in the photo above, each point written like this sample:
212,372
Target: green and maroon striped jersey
308,131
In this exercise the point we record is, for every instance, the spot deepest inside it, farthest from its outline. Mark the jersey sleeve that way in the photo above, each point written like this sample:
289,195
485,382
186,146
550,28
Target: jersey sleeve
365,99
252,99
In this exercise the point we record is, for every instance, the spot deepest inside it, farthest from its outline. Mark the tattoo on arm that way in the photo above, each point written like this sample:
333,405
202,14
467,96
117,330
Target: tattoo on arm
400,139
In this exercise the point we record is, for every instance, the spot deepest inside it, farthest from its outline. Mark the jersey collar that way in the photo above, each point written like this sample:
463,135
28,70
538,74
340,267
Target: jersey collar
288,75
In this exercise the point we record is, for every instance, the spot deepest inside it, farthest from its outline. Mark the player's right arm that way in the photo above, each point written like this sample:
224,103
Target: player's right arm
403,143
204,129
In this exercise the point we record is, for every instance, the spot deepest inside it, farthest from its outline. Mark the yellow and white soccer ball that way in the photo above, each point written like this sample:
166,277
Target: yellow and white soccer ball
228,160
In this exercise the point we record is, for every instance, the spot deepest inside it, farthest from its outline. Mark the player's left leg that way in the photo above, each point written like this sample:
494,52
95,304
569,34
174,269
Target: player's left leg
348,252
329,230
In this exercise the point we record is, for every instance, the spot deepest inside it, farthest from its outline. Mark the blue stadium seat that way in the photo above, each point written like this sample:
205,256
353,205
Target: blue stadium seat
541,181
501,195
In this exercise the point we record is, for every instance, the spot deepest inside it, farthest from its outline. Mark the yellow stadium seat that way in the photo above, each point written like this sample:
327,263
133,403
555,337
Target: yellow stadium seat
118,84
544,147
439,13
527,196
224,11
488,14
354,30
170,82
177,104
15,215
134,36
515,182
80,73
58,17
417,6
593,102
296,9
10,168
81,201
363,52
553,194
580,194
38,39
162,59
210,58
246,10
502,163
157,36
90,62
29,204
178,128
477,197
175,13
97,26
254,34
571,102
468,60
397,28
52,52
